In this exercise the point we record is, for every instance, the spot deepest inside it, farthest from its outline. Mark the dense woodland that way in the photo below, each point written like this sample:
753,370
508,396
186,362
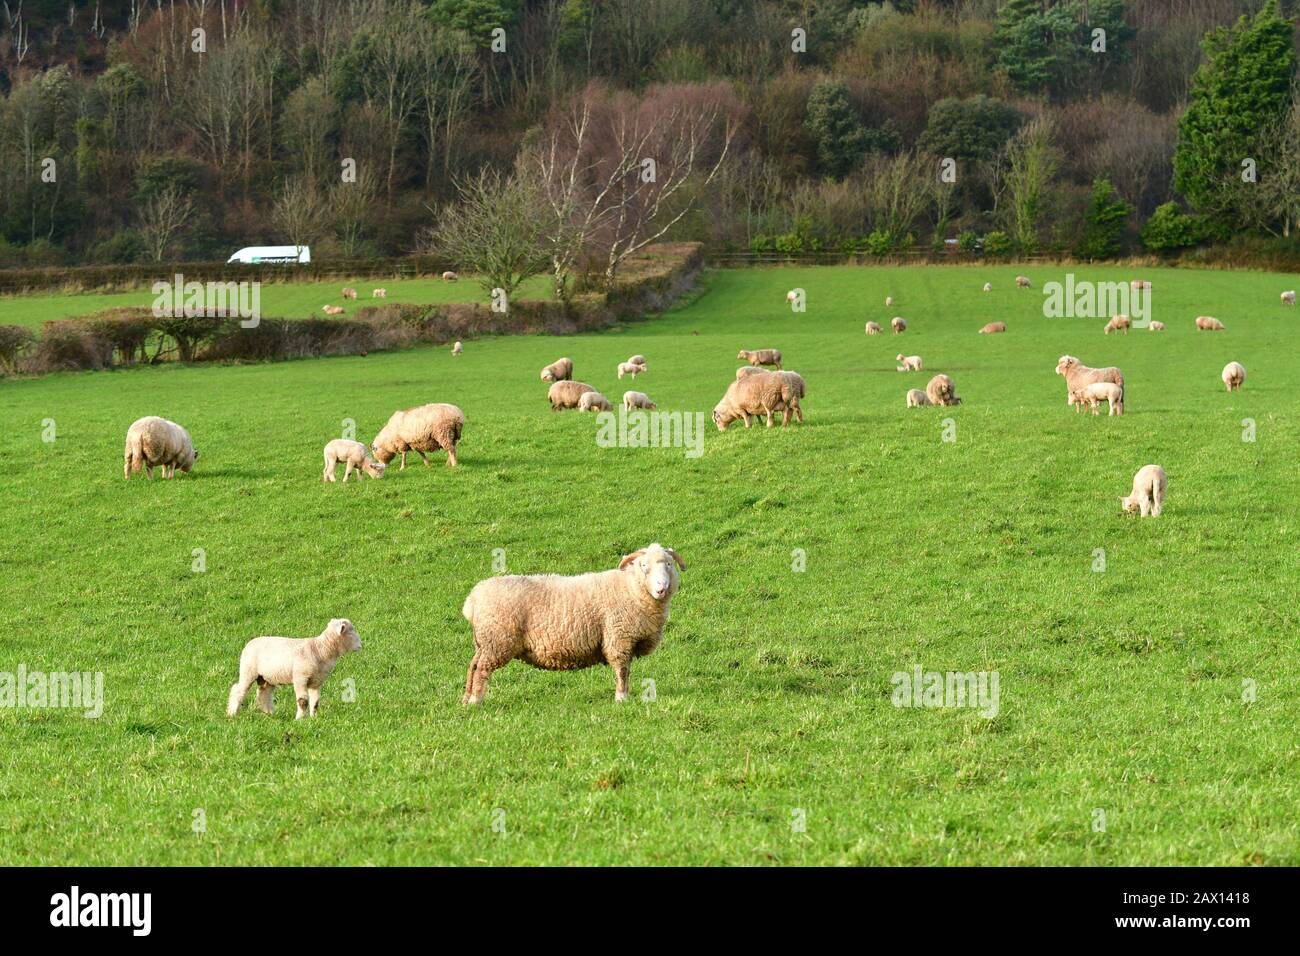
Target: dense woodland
160,130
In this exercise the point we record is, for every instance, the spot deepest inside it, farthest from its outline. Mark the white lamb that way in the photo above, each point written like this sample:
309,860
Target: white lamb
1148,495
594,401
1288,298
988,287
355,455
911,363
303,663
630,368
1234,374
1094,393
633,400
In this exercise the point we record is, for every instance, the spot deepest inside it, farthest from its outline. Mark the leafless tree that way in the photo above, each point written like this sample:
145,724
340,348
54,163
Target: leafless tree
162,218
299,211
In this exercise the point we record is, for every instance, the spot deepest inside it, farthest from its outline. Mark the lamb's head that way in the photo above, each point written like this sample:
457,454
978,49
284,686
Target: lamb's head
1065,363
375,469
1128,503
341,632
655,569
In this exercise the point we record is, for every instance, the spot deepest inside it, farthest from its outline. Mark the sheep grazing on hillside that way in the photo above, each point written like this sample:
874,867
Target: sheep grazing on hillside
422,429
153,442
761,356
993,327
1288,298
566,623
636,359
916,398
1022,282
1117,323
898,324
457,348
630,368
940,391
380,293
1234,373
349,293
304,663
1156,326
754,395
1094,393
873,328
911,363
565,394
1077,375
332,309
558,371
633,400
889,301
1208,323
449,276
355,456
988,287
594,401
1148,495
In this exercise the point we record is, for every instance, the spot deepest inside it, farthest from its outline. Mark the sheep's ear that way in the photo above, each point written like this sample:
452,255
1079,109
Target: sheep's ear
676,557
629,558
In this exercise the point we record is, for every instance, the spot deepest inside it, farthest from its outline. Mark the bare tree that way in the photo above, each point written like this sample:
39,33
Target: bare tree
299,212
898,189
1031,164
497,229
352,205
162,217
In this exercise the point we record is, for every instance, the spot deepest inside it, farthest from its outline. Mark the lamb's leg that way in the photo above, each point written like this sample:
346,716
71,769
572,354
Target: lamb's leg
1144,505
621,667
265,697
313,700
469,677
300,693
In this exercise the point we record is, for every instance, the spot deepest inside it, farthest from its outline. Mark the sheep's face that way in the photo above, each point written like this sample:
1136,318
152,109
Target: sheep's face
722,418
194,456
1128,504
351,641
656,570
383,453
548,375
742,354
375,469
1065,363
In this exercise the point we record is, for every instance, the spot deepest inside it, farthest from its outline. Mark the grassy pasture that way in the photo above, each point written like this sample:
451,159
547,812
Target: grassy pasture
1120,691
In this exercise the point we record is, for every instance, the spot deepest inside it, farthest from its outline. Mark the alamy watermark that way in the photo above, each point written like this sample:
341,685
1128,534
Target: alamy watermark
38,690
654,429
977,690
179,298
1098,300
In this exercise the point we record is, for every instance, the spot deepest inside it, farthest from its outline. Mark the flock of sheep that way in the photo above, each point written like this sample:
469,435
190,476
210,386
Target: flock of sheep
566,622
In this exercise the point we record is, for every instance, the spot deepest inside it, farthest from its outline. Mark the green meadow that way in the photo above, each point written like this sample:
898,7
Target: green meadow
1146,668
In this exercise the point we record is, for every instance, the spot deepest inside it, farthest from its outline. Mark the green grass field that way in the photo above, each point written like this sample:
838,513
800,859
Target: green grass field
281,300
1120,691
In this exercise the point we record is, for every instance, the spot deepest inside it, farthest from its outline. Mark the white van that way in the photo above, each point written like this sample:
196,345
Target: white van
252,255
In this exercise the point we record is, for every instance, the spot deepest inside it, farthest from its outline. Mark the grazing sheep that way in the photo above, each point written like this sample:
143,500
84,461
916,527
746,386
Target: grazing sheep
1234,373
1156,326
1022,282
304,663
633,400
993,327
629,368
558,371
1148,495
355,455
753,395
565,623
457,348
1288,298
889,300
380,293
916,398
449,276
761,356
988,287
873,328
332,309
349,293
565,394
1117,323
911,363
1208,323
898,324
1094,393
791,295
594,401
940,391
421,429
637,359
1137,284
1078,375
153,442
